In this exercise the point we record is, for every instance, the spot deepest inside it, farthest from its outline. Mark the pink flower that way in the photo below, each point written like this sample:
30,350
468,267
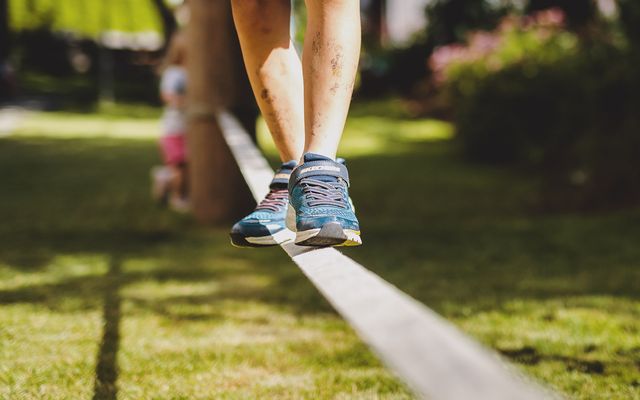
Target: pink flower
481,46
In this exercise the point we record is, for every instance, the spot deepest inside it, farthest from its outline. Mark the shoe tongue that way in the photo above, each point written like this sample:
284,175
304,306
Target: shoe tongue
319,157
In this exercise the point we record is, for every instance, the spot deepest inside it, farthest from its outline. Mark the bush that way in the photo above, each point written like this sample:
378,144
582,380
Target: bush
530,94
630,19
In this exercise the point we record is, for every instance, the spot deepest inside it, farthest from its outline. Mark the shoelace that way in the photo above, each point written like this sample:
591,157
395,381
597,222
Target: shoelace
275,200
322,193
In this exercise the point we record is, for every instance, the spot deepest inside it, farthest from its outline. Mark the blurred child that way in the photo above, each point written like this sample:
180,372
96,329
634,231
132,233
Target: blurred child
170,181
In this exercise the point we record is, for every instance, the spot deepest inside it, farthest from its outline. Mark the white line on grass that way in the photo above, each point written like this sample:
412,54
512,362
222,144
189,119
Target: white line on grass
431,355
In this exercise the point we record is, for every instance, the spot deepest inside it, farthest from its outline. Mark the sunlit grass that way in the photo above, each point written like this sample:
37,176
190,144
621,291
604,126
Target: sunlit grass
377,134
57,270
47,354
85,252
83,249
77,125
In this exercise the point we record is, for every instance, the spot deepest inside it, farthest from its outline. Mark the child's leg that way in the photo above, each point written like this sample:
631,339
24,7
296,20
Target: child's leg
178,197
274,70
179,181
330,61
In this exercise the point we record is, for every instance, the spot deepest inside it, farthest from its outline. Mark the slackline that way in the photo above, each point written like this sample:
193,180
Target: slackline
433,357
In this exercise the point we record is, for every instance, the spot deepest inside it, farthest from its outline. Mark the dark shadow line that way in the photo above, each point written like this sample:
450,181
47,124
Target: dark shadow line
106,375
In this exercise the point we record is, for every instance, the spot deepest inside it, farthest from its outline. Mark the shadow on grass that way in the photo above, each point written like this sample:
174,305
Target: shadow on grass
443,231
105,385
456,237
89,197
447,232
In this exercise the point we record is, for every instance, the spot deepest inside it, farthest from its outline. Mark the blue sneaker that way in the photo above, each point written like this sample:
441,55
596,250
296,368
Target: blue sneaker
265,226
324,214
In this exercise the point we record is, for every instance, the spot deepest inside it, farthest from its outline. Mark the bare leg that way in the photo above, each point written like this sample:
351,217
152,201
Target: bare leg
318,108
330,62
274,70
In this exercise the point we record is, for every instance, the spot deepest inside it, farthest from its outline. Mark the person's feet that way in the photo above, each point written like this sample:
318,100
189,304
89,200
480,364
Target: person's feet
265,226
160,183
179,204
318,192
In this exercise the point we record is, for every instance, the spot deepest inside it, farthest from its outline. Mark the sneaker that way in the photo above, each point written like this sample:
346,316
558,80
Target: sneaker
179,204
160,181
324,214
265,226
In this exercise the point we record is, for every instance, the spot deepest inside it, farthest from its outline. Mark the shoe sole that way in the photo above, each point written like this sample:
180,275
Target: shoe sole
280,237
331,234
290,220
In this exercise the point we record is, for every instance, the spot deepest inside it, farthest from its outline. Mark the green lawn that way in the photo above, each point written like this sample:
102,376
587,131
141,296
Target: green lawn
102,294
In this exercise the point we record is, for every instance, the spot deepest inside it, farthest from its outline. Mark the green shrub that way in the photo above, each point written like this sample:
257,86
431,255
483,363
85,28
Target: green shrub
630,19
533,96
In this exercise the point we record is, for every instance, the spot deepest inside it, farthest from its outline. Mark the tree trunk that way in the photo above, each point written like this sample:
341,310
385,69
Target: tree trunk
378,17
217,189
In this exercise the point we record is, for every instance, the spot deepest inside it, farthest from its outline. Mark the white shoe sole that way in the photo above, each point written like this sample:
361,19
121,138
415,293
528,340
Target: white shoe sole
349,237
280,237
290,220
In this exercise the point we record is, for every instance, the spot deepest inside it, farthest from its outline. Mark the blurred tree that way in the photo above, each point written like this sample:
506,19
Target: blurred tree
450,20
376,27
630,19
84,18
217,80
111,42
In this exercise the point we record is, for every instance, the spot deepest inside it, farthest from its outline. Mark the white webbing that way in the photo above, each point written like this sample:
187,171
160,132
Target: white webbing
427,352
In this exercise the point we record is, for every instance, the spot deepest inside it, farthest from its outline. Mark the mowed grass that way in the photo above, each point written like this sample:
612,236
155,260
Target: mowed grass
105,295
102,294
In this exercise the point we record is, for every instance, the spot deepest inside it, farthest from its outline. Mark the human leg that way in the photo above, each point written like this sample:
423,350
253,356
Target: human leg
324,214
318,188
274,70
330,62
275,74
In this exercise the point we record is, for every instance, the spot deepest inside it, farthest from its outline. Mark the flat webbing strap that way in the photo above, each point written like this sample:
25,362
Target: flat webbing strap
432,356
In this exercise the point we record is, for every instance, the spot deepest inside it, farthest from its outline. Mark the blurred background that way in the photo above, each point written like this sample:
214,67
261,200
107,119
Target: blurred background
494,147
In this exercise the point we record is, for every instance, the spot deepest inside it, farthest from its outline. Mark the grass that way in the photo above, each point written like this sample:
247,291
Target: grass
102,294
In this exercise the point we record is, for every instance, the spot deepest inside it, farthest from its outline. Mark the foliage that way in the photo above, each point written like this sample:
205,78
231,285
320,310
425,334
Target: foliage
578,12
84,18
397,70
531,93
630,19
299,11
517,41
60,38
451,20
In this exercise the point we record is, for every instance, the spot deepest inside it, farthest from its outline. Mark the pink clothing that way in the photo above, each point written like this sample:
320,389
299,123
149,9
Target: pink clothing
174,149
